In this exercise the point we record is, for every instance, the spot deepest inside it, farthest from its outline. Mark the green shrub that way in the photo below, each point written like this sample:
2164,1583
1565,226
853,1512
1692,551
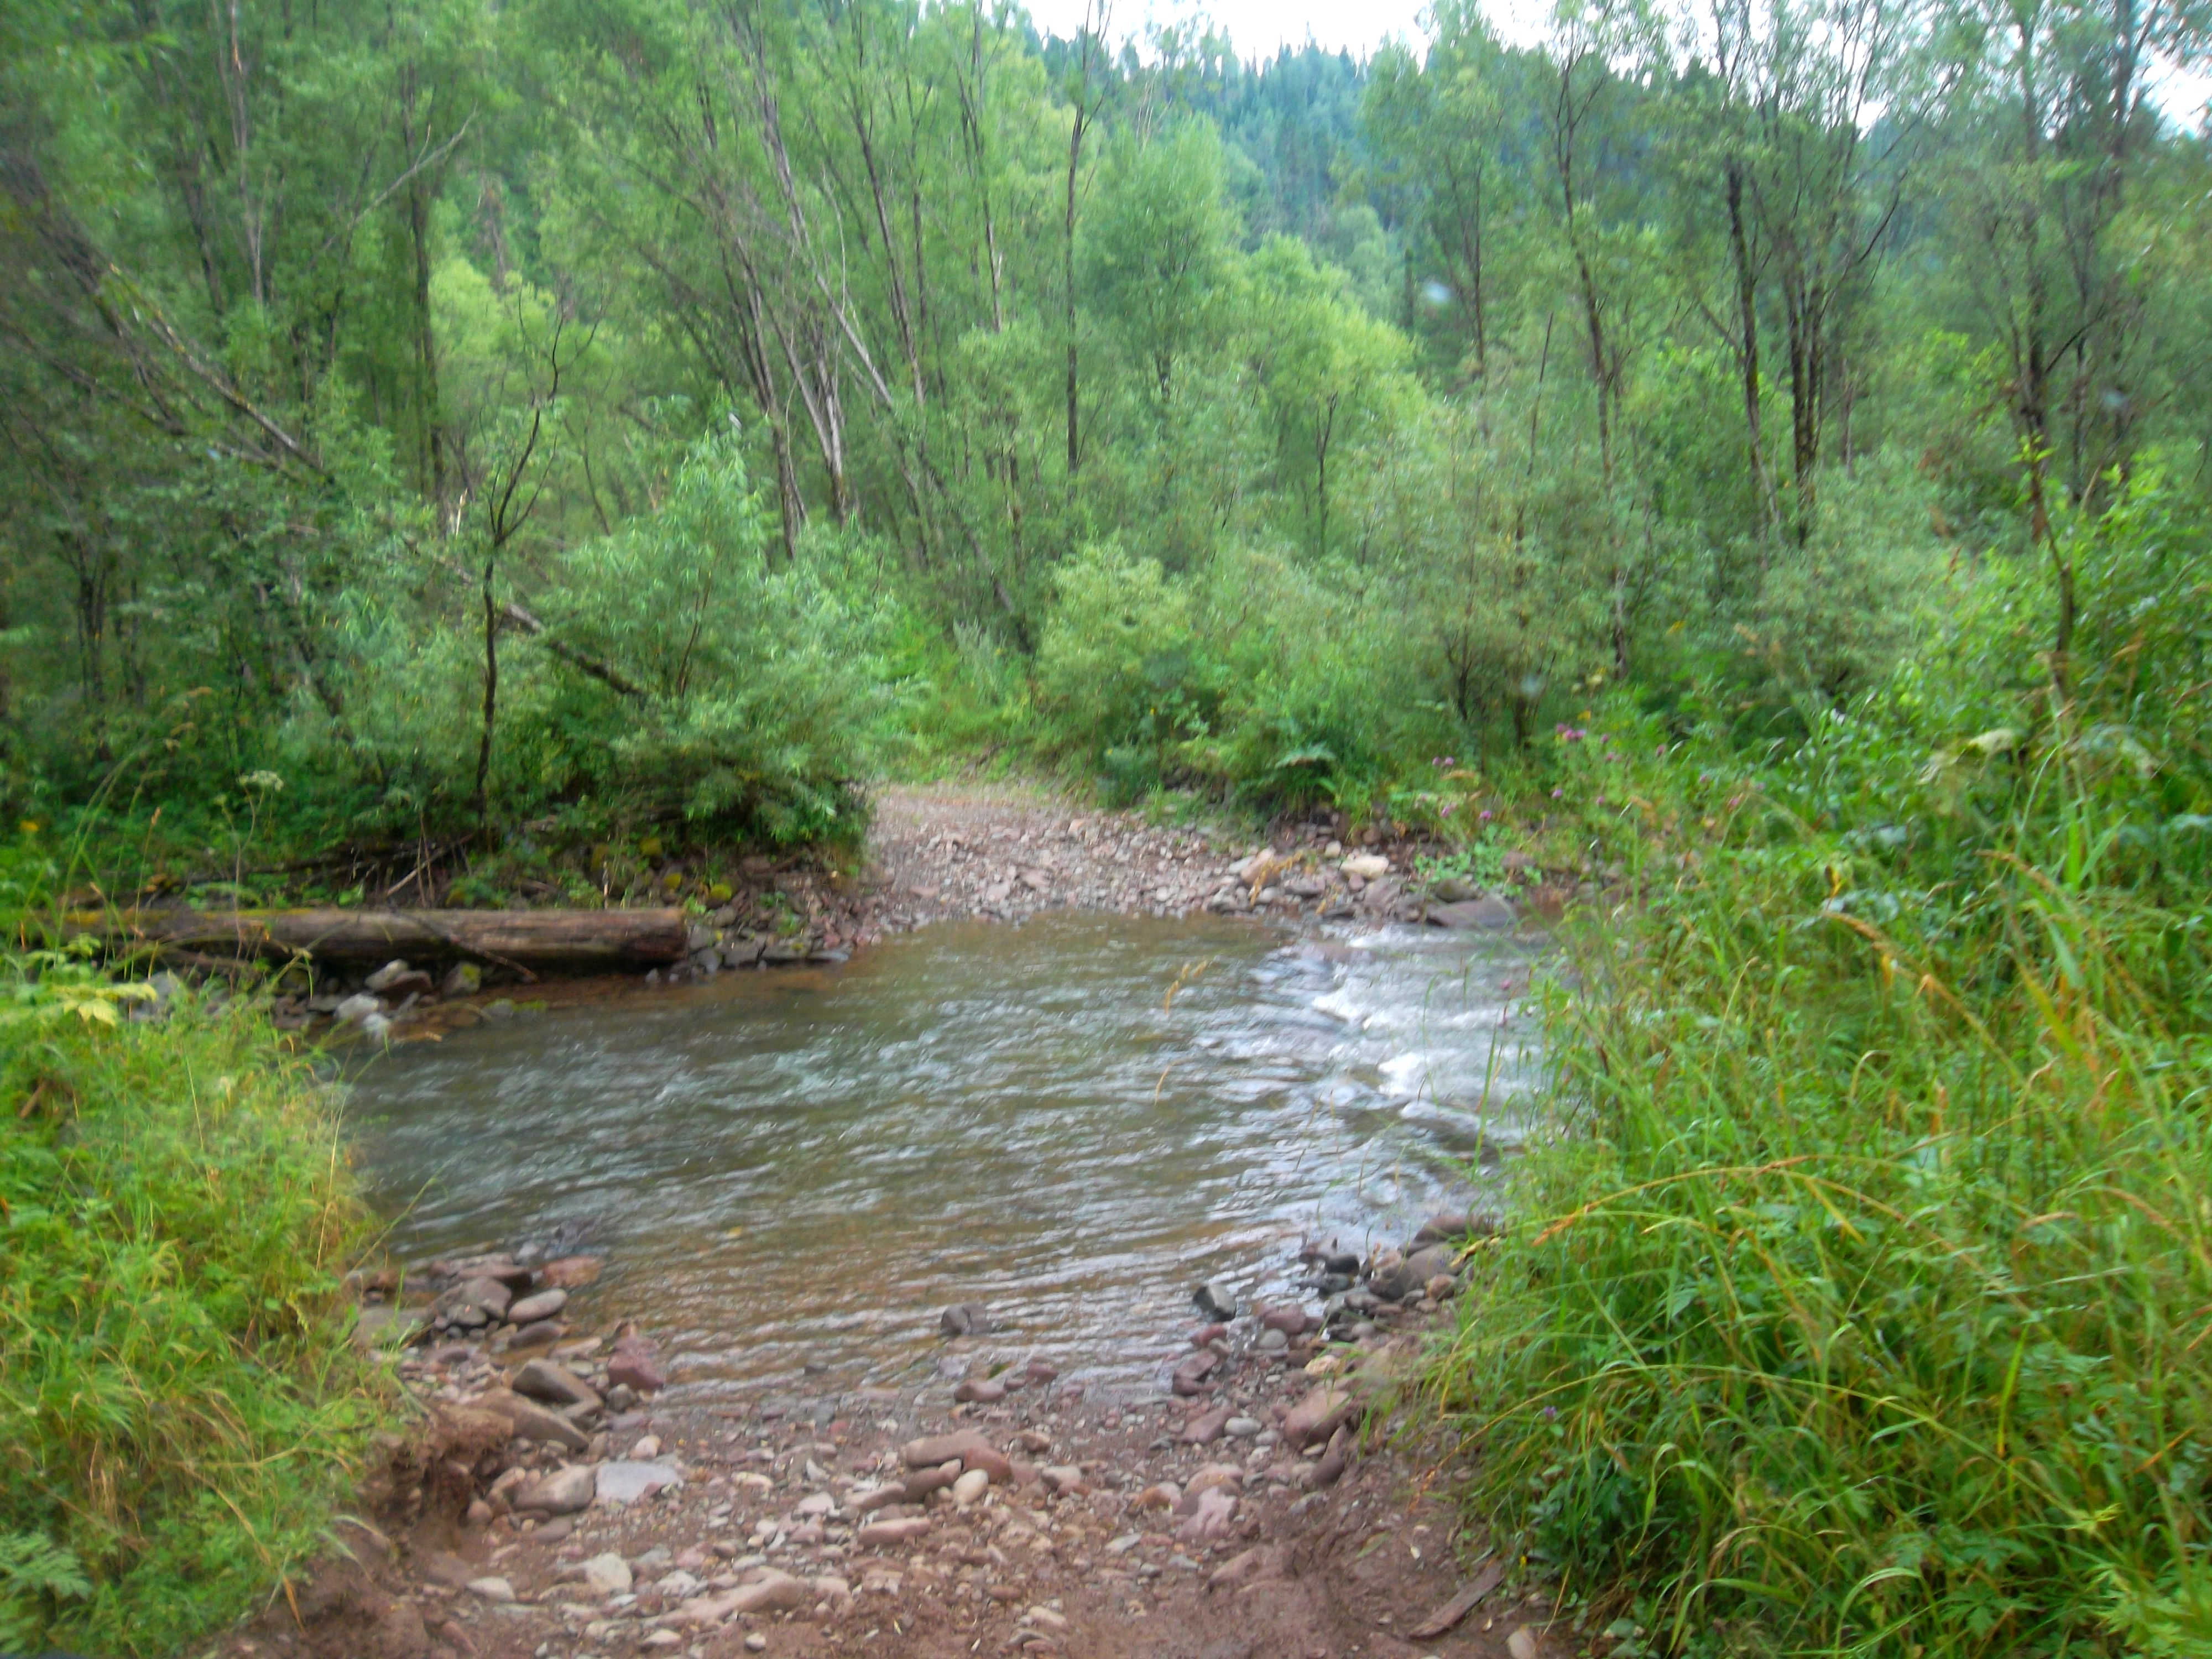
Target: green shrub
185,1410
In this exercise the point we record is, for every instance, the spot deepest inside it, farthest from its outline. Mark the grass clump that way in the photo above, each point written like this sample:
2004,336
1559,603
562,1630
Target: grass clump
184,1409
1864,1303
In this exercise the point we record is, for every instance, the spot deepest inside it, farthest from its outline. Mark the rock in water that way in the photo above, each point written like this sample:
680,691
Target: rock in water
531,1309
632,1365
569,1273
1484,912
969,1319
1214,1301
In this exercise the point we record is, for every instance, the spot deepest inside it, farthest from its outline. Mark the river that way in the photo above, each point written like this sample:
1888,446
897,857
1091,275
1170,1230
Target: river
1074,1122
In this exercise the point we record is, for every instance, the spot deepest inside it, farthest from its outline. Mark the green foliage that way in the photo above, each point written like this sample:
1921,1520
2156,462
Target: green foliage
1859,1307
186,1410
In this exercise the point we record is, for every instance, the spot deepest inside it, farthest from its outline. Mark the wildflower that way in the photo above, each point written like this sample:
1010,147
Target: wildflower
1443,763
1558,794
1486,815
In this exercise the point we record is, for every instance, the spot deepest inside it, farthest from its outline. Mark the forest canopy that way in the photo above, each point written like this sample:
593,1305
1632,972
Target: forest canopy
593,413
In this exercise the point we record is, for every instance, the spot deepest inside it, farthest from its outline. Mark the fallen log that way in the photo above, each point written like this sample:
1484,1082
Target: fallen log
571,941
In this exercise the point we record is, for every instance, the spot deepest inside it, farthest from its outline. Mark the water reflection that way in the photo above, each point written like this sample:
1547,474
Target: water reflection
1074,1122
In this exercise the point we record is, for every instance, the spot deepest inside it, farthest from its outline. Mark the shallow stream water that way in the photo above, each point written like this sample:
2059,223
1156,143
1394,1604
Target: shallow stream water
1074,1122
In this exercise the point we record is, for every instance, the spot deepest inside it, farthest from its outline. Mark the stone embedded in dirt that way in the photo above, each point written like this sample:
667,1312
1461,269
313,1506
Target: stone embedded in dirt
903,1529
1034,1441
923,1482
971,1485
875,1497
1444,1227
1210,1518
1263,1561
1213,1300
1461,1604
1066,1479
439,1568
1042,1371
526,1421
384,977
965,1445
543,1305
1213,1475
1317,1416
1241,1428
1289,1318
1366,865
1272,1342
980,1391
538,1335
569,1273
1523,1644
492,1589
608,1574
1396,1279
625,1481
969,1319
1205,1336
554,1385
564,1491
1161,1495
487,1293
1207,1427
1192,1370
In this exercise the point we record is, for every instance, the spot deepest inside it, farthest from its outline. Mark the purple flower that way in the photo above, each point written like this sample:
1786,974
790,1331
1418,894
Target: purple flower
1443,763
1486,815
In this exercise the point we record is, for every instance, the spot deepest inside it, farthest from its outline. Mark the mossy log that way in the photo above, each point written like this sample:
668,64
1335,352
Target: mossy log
568,941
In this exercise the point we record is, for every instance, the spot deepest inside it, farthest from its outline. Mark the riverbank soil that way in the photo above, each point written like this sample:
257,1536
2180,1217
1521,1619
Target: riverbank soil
1264,1502
1255,1515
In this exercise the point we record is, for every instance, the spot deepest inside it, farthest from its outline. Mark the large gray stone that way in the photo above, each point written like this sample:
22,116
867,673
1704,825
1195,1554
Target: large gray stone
1488,911
564,1491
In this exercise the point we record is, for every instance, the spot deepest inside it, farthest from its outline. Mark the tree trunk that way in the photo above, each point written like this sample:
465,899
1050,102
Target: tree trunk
575,940
1746,302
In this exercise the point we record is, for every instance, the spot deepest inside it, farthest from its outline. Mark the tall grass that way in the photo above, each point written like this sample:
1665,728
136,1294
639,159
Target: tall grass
183,1410
1863,1303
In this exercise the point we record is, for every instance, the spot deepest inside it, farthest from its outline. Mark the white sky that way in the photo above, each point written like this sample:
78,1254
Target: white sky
1257,27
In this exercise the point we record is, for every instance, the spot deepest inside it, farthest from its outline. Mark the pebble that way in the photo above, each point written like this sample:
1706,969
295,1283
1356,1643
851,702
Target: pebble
492,1589
608,1574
